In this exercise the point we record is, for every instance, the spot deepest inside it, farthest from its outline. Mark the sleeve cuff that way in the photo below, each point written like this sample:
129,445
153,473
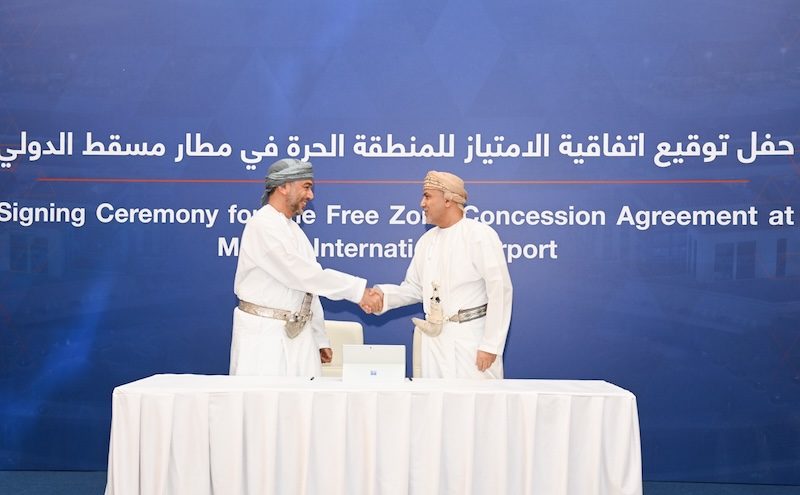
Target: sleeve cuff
358,290
491,349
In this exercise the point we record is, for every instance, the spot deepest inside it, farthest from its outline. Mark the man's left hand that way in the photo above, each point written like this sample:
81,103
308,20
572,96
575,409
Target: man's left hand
484,360
326,355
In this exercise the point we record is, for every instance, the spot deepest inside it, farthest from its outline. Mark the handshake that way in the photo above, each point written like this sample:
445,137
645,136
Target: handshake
372,301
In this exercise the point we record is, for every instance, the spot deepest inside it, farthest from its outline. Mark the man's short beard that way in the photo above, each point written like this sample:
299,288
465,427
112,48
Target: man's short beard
296,208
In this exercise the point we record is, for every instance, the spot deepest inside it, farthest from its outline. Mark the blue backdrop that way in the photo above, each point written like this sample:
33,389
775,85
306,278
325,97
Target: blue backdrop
524,100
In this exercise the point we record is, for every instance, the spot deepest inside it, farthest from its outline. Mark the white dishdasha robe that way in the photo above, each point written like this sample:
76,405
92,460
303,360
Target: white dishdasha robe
467,261
276,267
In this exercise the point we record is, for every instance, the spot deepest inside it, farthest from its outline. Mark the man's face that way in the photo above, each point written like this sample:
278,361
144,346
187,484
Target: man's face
434,205
298,194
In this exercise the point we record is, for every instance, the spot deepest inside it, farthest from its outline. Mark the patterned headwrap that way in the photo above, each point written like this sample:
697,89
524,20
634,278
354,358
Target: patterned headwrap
451,185
283,171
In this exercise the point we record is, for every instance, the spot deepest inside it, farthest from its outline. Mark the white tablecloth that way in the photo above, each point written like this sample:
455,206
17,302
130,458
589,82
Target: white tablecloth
230,435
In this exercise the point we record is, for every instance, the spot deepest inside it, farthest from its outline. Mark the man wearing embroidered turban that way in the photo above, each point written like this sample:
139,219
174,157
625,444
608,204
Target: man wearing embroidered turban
278,325
459,273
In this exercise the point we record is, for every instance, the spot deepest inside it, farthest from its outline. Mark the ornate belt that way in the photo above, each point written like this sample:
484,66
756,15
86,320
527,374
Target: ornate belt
295,321
469,314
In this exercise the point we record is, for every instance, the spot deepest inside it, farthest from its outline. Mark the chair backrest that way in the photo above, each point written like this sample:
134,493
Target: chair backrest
416,361
340,333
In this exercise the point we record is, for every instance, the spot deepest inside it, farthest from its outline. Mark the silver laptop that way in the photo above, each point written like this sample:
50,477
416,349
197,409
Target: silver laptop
373,363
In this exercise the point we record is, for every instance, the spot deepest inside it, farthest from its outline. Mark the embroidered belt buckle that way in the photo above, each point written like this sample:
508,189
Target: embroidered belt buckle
295,323
469,314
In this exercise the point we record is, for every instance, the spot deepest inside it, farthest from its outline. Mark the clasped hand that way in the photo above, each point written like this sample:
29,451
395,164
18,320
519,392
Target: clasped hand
372,302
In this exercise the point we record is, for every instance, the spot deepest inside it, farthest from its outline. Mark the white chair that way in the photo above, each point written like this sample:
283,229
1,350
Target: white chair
341,333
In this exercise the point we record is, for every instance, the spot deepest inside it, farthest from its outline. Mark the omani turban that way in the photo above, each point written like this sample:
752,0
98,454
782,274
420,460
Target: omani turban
283,171
451,185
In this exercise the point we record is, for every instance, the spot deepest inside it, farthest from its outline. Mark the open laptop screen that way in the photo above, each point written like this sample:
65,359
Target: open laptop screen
373,363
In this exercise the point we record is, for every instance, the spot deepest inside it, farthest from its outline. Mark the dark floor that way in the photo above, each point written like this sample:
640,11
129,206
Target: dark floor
676,488
94,482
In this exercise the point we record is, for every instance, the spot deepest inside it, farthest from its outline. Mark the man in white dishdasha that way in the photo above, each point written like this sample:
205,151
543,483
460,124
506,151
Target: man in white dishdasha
278,326
459,273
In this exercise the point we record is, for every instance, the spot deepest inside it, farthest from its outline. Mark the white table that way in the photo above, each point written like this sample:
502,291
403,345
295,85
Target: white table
229,435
